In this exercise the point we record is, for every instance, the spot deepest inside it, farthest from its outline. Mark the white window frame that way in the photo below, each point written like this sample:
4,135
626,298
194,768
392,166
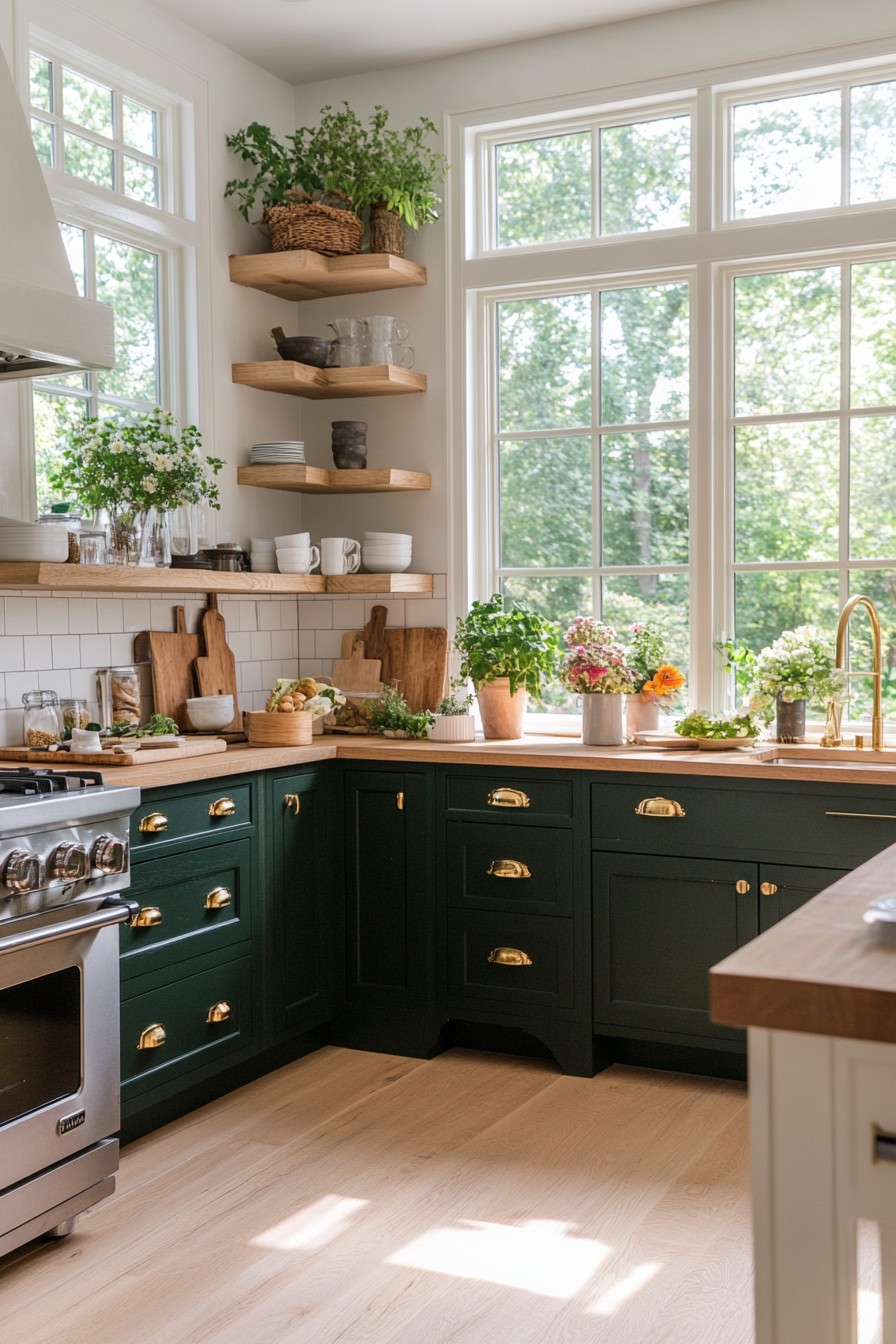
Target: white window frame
712,246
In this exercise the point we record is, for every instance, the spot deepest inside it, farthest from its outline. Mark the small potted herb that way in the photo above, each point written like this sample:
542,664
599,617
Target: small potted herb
507,655
596,669
391,716
453,721
657,681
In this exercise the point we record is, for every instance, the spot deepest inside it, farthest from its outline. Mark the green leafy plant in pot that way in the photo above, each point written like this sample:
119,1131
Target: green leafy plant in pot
507,655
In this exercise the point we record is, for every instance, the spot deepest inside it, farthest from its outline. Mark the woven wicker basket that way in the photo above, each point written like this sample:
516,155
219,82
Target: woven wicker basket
314,228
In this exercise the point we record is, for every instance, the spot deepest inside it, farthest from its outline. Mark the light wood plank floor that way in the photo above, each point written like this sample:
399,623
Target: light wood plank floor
356,1198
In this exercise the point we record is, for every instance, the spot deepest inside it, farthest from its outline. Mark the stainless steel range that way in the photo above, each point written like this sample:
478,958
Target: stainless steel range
63,863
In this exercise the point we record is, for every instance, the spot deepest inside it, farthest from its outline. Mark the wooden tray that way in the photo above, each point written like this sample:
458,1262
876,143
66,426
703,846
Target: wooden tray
61,760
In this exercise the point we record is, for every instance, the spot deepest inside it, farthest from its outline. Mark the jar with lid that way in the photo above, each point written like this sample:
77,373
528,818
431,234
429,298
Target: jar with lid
42,718
124,687
92,546
75,714
67,516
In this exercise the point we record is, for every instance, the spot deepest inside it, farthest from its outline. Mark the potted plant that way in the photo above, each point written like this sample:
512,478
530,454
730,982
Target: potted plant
315,186
138,468
596,669
506,655
796,668
391,716
453,721
657,681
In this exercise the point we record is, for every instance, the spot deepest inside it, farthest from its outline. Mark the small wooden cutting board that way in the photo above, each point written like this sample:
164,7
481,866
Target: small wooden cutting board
216,672
357,673
61,760
172,655
416,663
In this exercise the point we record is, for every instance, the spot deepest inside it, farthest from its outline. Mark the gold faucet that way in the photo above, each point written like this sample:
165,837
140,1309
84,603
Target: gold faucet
832,736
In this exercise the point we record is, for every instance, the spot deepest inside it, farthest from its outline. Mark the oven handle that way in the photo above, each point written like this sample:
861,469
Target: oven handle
112,912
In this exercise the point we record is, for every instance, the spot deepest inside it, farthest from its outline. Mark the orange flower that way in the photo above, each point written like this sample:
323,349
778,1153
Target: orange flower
666,680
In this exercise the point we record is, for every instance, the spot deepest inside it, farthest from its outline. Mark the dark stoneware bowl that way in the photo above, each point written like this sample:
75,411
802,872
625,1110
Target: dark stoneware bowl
313,350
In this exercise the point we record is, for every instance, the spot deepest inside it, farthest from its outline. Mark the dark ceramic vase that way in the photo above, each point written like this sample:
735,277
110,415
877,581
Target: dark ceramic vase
790,720
349,444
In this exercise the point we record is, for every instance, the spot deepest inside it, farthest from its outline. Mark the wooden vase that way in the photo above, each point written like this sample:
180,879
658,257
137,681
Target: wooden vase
386,231
502,713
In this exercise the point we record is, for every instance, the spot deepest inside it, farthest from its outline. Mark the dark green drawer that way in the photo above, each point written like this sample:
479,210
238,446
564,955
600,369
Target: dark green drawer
181,1010
525,868
826,826
192,815
547,942
178,888
505,796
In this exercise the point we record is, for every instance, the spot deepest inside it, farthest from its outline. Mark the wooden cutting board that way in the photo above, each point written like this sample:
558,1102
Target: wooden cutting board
61,760
357,673
416,662
172,655
216,671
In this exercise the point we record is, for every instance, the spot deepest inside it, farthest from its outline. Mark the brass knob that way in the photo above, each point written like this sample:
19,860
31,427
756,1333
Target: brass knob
508,868
148,918
21,871
153,822
508,798
219,898
399,801
292,800
109,855
509,956
152,1037
219,1012
222,807
741,887
768,888
69,862
659,807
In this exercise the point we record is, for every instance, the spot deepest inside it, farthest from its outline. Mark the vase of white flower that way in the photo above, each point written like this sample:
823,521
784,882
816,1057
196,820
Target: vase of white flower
155,543
124,536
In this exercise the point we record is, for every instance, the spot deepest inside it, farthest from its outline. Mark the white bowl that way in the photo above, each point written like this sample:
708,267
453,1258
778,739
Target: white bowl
384,555
264,565
261,544
384,548
388,536
210,713
52,547
386,566
290,567
297,539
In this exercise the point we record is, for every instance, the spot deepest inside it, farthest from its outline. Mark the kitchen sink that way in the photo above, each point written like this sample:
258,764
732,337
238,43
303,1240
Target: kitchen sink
853,764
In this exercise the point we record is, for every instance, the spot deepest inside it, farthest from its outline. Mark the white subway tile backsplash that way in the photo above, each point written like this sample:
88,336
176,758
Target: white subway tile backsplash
289,614
312,667
136,614
306,643
395,610
38,651
328,643
12,653
162,614
66,651
240,642
350,615
17,685
121,650
82,616
109,615
316,615
283,643
426,613
96,650
261,645
251,675
12,731
84,683
58,680
269,615
52,615
21,615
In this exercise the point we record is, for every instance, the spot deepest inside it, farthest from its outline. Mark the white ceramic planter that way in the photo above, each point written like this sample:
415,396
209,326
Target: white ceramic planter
641,716
602,720
452,728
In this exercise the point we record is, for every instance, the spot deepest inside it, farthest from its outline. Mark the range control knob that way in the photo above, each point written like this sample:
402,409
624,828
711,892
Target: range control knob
21,871
70,862
109,855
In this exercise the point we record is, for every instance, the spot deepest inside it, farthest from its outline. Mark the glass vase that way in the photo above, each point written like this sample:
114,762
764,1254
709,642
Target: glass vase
124,537
155,539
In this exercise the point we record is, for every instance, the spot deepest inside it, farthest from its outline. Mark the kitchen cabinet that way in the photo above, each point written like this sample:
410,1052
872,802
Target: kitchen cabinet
299,915
783,888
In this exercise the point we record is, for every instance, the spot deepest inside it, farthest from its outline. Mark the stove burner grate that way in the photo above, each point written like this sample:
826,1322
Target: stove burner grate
37,783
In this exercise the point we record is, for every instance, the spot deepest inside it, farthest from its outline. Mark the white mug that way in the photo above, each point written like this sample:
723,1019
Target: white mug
339,555
304,558
296,539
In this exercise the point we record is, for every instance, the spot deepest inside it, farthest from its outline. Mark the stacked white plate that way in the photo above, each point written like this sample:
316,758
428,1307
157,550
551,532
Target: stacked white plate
386,552
33,541
263,555
287,452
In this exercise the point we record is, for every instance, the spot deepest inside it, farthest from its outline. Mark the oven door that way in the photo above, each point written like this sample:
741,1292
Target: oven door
59,1066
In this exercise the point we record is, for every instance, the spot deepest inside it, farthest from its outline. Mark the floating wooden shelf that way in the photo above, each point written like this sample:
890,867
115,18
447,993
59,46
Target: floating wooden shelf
109,578
301,380
308,275
321,481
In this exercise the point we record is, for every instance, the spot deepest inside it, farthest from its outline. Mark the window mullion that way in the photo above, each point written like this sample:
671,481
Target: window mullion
597,587
845,376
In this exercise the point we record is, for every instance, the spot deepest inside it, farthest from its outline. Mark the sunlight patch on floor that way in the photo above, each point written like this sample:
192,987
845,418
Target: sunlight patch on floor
313,1227
625,1288
538,1255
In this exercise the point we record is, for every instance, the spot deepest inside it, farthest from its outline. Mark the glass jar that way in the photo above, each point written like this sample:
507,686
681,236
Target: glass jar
92,545
124,687
75,714
64,515
42,718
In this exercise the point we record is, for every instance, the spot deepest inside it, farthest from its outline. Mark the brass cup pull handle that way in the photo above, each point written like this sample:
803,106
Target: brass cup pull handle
222,807
508,798
152,1037
153,822
659,807
219,1012
768,888
147,918
509,956
292,800
508,868
219,898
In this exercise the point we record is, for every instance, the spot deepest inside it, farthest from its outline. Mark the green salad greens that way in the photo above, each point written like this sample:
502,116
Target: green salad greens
390,714
734,725
158,725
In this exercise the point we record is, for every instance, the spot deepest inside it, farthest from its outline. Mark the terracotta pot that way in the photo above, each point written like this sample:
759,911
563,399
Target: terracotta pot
602,720
502,713
641,716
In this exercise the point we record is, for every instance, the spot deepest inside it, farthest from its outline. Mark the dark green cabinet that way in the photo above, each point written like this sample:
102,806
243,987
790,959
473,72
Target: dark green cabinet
299,905
527,868
783,888
660,922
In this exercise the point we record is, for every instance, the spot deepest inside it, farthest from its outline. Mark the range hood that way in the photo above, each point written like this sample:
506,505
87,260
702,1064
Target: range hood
45,327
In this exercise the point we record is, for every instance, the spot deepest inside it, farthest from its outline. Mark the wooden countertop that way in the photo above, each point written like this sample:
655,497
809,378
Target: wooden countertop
556,753
821,970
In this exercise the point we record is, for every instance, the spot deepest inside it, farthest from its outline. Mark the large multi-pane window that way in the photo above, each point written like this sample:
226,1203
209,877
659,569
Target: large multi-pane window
685,382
